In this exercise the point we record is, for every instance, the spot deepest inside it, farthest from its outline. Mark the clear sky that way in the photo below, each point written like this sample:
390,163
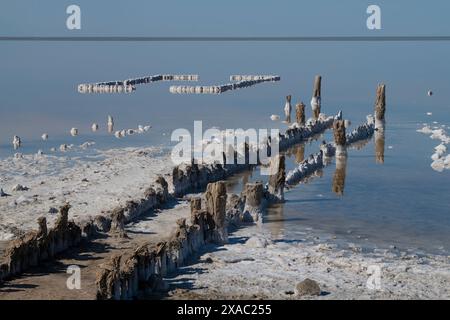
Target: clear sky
230,17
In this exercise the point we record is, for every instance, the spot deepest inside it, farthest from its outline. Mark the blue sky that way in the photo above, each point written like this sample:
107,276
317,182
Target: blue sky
231,17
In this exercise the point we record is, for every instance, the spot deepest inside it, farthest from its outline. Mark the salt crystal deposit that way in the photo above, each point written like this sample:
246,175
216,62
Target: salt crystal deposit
74,132
94,127
440,157
274,117
110,124
16,142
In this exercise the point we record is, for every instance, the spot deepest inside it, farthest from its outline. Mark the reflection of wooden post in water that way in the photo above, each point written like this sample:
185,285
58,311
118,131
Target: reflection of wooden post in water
380,123
340,138
316,98
288,108
300,113
277,177
379,144
276,220
339,175
380,103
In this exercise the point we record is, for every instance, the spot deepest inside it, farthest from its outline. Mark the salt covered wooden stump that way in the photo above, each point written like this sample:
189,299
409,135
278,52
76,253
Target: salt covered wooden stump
118,223
42,226
277,177
316,97
196,204
110,124
288,108
216,201
253,208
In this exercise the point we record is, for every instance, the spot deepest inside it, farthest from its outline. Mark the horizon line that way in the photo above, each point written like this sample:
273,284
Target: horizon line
226,38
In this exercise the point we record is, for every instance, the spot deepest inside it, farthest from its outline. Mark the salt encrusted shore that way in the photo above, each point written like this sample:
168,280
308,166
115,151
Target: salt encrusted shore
257,265
34,247
92,185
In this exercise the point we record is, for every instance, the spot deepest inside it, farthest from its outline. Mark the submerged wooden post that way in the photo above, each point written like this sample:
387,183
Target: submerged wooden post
277,177
216,201
340,138
300,113
288,108
380,103
316,98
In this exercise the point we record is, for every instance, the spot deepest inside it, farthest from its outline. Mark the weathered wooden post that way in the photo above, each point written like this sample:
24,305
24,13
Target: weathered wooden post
316,98
340,138
288,108
118,223
300,113
339,175
42,224
253,208
380,122
216,201
196,204
277,177
380,103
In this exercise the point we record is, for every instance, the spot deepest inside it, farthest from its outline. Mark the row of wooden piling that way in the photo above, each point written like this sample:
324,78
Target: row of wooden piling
247,81
140,271
342,141
44,244
129,85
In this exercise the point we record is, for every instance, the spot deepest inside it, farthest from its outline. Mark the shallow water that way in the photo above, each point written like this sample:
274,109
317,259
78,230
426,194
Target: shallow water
399,204
402,202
